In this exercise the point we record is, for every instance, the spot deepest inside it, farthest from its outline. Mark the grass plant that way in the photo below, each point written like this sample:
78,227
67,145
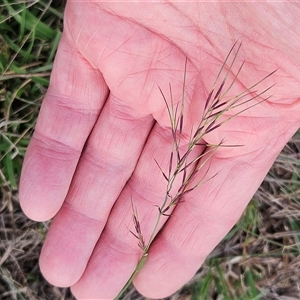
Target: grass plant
216,106
258,259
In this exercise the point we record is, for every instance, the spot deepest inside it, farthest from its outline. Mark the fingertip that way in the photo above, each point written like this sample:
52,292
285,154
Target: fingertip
52,278
33,205
35,212
45,179
36,202
68,246
57,268
165,271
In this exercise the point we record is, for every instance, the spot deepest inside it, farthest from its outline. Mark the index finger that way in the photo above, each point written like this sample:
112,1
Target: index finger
76,94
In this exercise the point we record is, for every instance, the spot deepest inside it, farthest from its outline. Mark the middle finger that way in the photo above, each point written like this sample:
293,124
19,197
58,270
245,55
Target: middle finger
106,164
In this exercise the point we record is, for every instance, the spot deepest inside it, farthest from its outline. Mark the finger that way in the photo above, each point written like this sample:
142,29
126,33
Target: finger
106,164
199,223
117,248
69,111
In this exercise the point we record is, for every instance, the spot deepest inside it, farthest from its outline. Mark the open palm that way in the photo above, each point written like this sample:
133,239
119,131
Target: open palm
103,123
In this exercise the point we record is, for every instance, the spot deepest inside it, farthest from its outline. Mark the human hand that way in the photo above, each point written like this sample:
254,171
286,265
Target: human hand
103,122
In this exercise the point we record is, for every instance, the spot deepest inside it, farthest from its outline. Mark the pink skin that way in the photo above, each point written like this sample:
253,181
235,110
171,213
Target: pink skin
103,121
